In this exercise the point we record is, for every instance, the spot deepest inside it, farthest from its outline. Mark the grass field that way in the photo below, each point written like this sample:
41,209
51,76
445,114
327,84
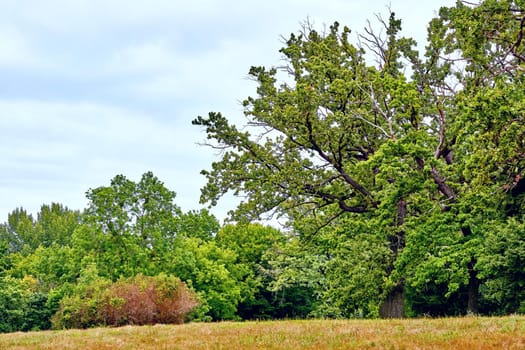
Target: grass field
446,333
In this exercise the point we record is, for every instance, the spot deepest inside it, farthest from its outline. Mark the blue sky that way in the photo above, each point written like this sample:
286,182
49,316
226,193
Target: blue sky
95,88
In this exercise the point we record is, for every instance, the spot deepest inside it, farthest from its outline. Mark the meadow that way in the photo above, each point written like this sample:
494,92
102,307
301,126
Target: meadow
445,333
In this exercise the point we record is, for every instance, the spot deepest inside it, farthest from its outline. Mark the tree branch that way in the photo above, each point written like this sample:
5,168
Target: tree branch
439,147
338,166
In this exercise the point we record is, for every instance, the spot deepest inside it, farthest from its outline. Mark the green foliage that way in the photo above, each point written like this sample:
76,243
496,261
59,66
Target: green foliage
309,157
14,297
18,231
344,139
54,225
353,276
212,272
198,224
5,259
503,265
23,307
343,268
427,160
249,241
38,312
80,308
129,227
52,266
296,277
253,243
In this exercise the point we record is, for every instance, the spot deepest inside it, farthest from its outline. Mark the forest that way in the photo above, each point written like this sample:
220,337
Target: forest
399,175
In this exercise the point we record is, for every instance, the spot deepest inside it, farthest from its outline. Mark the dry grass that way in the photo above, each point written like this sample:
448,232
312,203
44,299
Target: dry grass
446,333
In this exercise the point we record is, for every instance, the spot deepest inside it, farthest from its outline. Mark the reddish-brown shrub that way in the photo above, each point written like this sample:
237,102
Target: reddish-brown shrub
174,306
147,300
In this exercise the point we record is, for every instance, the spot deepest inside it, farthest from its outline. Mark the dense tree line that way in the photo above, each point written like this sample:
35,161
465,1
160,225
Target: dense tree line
401,179
66,268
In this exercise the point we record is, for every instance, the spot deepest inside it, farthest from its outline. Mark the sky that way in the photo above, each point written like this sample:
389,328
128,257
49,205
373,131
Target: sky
95,88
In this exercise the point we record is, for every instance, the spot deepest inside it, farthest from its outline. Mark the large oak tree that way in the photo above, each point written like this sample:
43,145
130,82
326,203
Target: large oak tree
427,147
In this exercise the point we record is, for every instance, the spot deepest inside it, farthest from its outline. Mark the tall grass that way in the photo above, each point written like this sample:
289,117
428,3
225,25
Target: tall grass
446,333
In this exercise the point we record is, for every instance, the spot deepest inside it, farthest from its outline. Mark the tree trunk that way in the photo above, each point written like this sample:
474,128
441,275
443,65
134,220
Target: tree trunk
393,306
472,289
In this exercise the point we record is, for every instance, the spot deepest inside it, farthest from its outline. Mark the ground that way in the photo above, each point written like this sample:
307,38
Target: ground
445,333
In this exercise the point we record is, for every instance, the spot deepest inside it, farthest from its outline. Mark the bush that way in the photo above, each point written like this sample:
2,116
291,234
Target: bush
22,307
81,308
13,300
147,300
129,303
138,300
37,313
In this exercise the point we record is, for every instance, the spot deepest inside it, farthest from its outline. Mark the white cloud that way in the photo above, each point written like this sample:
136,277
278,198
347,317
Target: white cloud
199,76
88,123
15,49
93,88
148,57
87,144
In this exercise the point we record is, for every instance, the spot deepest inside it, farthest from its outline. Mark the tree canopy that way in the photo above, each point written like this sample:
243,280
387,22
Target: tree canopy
426,149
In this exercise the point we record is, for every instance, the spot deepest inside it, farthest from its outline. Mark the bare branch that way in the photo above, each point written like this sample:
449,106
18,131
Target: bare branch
439,148
372,124
374,42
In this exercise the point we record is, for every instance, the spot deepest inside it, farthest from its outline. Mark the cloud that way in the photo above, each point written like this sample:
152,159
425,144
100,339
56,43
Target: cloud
86,144
88,126
193,78
94,88
147,57
15,50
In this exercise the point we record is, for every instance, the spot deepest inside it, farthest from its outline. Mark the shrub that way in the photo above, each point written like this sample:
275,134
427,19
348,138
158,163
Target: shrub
80,309
174,299
147,300
37,312
22,306
137,300
13,300
127,302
